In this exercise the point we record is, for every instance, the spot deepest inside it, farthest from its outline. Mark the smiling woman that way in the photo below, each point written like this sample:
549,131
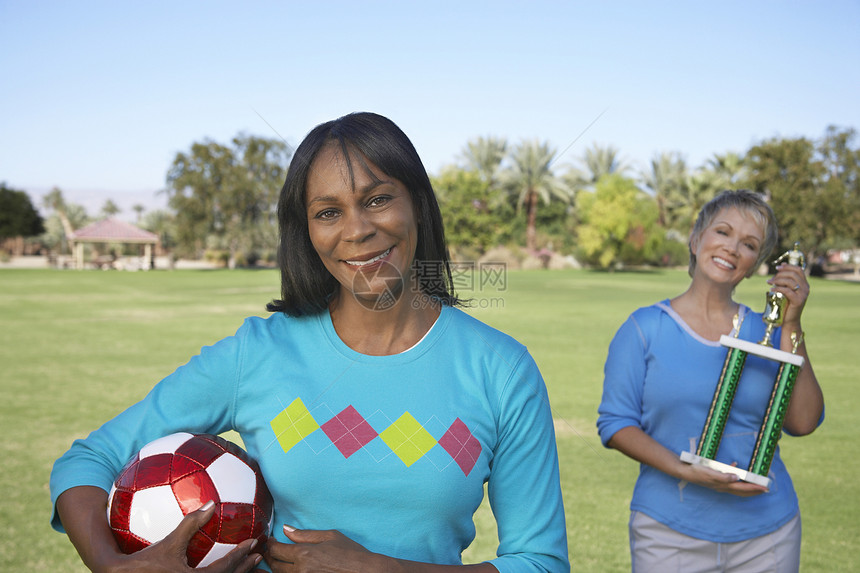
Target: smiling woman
363,226
658,384
760,226
372,149
376,409
729,248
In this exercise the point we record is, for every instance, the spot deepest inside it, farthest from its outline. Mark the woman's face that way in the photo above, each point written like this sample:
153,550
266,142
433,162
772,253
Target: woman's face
728,248
365,231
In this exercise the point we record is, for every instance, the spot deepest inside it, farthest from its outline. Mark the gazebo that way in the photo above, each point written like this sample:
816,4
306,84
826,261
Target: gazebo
110,230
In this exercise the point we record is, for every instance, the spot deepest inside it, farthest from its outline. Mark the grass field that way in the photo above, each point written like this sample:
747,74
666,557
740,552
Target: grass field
78,347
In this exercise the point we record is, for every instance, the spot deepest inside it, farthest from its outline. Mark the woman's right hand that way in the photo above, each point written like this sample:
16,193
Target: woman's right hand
635,443
720,481
83,512
168,555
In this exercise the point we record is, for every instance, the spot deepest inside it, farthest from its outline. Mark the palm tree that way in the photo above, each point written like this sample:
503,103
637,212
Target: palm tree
530,179
600,161
138,209
730,166
596,162
484,155
109,209
668,181
57,203
162,223
702,186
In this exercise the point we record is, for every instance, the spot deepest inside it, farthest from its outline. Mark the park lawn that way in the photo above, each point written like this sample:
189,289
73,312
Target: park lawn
78,347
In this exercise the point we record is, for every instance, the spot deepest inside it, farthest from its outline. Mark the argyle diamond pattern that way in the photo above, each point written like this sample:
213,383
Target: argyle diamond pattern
351,432
293,424
462,445
348,431
408,439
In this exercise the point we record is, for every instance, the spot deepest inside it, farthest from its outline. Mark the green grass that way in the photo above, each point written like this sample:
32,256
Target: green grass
78,347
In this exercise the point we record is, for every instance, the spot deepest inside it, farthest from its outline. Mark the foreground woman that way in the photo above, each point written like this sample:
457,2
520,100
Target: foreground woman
376,409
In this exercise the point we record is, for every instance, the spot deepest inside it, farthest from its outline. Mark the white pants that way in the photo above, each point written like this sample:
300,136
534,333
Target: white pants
656,548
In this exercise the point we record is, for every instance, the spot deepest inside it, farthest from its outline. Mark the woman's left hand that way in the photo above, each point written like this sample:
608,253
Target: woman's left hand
790,280
807,400
327,551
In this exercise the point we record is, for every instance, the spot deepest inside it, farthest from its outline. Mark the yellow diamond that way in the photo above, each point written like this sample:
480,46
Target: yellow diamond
293,424
408,439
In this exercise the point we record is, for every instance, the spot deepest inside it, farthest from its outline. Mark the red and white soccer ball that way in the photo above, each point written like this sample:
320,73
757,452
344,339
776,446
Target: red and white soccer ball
177,474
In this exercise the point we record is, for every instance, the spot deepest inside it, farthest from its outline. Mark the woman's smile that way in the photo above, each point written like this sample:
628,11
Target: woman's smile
363,262
362,224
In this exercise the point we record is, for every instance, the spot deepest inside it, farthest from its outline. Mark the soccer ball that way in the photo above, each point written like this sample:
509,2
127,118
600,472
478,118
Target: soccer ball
177,474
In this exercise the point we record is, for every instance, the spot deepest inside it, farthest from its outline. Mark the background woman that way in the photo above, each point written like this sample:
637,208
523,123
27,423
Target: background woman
660,376
408,406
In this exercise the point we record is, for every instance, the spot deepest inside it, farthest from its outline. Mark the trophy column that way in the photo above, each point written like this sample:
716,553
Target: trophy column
774,415
724,395
771,426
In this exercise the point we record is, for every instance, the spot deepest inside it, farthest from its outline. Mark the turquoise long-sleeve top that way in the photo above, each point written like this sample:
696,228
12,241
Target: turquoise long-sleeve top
393,451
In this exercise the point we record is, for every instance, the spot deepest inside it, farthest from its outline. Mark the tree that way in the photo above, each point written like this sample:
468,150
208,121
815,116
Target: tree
668,180
484,155
109,209
530,179
618,223
600,161
162,223
596,161
790,174
702,186
55,201
18,216
730,167
138,211
225,197
55,236
60,227
470,223
680,194
841,163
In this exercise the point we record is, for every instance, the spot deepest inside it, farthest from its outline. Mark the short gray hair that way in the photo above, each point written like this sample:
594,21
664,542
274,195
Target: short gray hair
743,200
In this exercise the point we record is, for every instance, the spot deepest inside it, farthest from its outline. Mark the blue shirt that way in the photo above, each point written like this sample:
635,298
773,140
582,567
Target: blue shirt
393,451
660,376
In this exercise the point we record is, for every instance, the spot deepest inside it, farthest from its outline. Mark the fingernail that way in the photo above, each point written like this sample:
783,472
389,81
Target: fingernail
207,505
253,545
289,528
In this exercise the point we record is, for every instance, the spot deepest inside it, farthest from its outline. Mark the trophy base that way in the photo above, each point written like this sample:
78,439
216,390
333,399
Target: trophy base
760,350
744,475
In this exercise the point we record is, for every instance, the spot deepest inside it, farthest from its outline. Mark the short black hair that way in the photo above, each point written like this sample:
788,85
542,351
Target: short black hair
306,285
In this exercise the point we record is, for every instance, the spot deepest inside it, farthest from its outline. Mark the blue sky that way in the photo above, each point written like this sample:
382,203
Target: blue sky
98,96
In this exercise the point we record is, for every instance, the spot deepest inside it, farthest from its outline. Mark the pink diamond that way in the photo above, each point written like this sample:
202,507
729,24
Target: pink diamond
348,431
459,442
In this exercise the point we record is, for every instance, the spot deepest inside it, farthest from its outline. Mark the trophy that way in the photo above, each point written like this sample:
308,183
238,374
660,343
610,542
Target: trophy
774,415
